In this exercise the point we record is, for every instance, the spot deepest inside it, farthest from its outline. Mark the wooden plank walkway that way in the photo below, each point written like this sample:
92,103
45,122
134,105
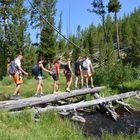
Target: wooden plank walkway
27,102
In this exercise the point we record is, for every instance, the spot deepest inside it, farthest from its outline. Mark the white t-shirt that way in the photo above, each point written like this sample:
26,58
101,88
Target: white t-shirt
18,63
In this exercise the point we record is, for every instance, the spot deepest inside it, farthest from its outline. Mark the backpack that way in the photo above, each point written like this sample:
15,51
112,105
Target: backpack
35,70
53,70
85,65
13,68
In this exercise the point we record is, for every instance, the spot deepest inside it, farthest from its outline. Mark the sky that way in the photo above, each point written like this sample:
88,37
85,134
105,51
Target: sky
74,13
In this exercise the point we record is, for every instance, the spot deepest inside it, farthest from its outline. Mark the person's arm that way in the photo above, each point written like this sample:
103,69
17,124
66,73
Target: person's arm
44,69
8,68
91,67
24,72
80,68
70,66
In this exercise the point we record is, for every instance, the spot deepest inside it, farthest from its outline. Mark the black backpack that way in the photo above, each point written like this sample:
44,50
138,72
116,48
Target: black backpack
35,70
13,68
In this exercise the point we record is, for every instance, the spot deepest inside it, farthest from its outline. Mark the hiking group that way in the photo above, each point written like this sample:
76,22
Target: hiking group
82,66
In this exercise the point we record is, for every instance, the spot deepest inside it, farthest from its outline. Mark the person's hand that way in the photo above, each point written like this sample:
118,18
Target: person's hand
50,72
26,74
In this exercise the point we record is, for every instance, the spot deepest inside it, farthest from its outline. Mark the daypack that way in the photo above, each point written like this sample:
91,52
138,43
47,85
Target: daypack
13,68
35,70
53,70
85,65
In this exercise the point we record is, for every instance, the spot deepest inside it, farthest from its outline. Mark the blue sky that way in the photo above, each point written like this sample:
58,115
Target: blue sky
74,13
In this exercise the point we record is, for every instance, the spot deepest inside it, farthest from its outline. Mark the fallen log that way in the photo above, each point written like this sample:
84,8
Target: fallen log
125,106
107,108
83,104
28,102
138,97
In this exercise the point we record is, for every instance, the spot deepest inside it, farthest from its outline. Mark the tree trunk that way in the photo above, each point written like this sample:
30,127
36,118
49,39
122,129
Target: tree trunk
82,104
15,104
117,36
104,28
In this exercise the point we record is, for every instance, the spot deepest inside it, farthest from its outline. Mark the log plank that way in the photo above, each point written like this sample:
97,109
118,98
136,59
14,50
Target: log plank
28,102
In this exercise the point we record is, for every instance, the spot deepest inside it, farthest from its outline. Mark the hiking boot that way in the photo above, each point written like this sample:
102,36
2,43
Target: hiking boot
37,95
67,89
42,94
16,97
55,92
92,86
13,97
19,97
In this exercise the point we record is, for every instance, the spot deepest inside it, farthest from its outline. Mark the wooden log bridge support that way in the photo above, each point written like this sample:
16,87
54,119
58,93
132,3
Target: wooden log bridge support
83,104
28,102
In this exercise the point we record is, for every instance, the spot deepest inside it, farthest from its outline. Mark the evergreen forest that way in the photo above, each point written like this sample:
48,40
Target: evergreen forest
113,46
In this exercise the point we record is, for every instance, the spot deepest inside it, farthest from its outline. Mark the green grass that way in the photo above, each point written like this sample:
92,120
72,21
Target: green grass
132,85
50,127
135,103
109,136
28,89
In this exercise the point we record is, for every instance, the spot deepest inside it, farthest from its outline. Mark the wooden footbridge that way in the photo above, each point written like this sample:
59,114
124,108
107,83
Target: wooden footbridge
102,103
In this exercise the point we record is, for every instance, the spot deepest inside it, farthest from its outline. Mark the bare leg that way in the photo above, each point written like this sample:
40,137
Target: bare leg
87,81
38,86
91,81
82,82
69,81
76,81
41,87
17,90
55,86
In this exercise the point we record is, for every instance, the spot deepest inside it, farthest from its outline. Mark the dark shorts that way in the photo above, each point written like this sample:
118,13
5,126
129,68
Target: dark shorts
77,73
55,77
68,75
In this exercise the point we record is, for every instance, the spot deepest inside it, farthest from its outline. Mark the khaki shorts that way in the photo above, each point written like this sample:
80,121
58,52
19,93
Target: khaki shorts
18,79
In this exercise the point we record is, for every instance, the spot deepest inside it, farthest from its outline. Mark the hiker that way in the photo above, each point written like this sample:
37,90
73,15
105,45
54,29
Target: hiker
68,74
78,72
17,75
38,73
55,74
88,71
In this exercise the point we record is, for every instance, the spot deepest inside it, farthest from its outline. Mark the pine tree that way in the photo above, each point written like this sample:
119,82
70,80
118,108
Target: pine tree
61,41
135,52
12,14
126,32
44,10
76,50
110,52
115,6
99,9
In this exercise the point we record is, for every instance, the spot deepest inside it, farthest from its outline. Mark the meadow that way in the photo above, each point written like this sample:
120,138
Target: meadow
50,126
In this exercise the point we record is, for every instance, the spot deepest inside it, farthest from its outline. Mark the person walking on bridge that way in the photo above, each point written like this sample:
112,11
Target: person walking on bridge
55,69
17,75
88,71
78,71
68,73
39,67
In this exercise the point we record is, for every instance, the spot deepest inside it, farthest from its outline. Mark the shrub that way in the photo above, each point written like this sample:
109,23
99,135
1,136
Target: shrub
114,75
7,81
